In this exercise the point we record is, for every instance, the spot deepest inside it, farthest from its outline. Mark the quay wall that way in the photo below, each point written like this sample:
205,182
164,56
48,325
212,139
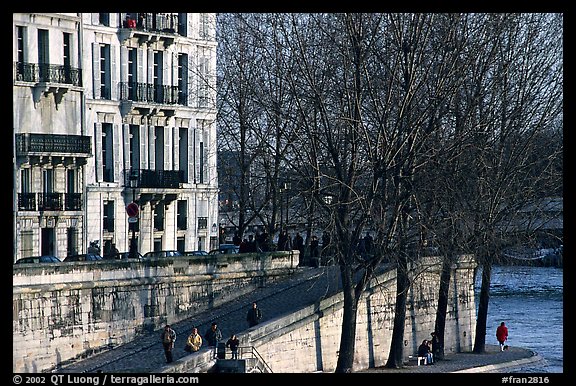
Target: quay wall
307,340
66,311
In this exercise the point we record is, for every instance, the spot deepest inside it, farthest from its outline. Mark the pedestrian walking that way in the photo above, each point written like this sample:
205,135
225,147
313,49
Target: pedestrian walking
194,341
168,338
254,315
502,336
232,343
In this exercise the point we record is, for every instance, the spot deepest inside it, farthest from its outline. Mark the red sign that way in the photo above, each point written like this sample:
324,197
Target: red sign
132,209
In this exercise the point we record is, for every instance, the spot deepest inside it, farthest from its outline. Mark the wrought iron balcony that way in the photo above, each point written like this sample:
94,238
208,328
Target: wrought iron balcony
73,201
27,201
49,201
154,22
148,178
47,73
152,93
52,143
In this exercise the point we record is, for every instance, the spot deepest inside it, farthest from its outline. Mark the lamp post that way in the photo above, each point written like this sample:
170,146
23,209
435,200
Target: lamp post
133,180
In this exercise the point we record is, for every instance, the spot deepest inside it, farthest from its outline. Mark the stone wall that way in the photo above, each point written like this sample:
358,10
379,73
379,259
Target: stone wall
70,310
308,340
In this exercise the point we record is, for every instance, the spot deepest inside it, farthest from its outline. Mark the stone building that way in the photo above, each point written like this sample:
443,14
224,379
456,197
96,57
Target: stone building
111,108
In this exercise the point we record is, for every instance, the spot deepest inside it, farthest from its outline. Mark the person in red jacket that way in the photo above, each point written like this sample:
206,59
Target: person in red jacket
502,335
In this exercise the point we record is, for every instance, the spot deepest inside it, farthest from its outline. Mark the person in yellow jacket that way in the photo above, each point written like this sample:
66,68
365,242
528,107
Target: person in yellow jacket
194,341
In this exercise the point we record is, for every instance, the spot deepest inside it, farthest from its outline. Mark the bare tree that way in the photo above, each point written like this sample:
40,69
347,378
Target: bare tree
370,90
519,98
395,124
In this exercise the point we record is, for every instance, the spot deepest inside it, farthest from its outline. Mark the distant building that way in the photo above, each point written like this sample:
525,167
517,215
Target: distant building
544,218
96,96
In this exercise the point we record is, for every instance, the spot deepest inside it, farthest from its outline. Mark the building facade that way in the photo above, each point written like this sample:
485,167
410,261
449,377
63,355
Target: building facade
110,109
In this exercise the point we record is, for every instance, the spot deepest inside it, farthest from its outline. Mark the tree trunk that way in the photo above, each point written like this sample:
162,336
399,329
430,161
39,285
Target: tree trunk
480,339
396,356
440,323
348,335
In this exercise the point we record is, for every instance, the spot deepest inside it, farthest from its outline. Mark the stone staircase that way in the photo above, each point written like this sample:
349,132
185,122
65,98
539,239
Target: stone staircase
249,361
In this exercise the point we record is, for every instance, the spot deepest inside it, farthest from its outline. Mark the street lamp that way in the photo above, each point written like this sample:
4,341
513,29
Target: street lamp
133,181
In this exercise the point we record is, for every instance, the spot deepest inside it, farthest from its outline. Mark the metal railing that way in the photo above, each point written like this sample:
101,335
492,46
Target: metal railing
49,73
148,178
251,351
49,201
52,143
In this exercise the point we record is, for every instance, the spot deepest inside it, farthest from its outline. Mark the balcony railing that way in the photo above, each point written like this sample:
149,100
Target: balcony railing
152,93
73,201
156,178
49,73
52,143
154,22
27,201
49,201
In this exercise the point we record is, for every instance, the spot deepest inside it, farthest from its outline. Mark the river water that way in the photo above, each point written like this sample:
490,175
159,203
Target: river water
530,301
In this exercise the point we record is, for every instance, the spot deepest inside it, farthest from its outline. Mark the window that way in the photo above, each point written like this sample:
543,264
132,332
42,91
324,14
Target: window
183,151
25,186
203,126
134,146
104,19
201,163
66,57
108,216
20,44
159,147
43,55
26,199
48,181
26,243
70,181
107,152
203,79
66,49
180,244
182,215
182,79
72,199
20,68
159,217
72,241
157,77
105,81
157,244
132,73
204,26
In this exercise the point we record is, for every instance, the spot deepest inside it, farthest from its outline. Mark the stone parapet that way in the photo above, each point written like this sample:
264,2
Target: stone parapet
63,312
307,340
